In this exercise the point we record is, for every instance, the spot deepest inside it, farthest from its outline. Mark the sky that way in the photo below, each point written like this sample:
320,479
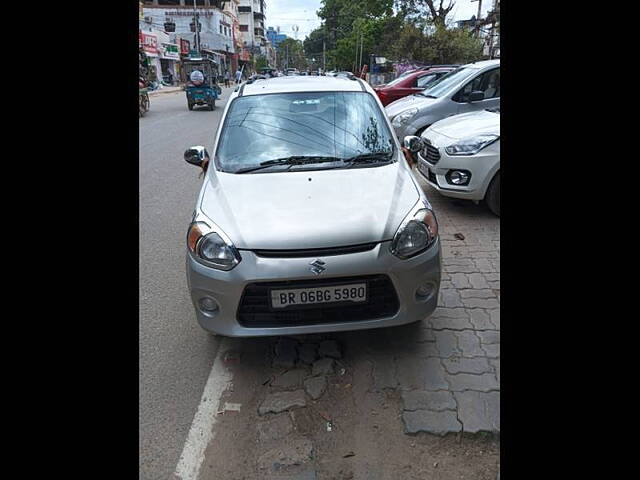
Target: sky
287,14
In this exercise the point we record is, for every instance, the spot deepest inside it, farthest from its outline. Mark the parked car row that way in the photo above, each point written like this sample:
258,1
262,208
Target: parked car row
453,127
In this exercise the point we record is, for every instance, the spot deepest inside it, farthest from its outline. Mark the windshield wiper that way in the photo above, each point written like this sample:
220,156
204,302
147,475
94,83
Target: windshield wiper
293,160
374,157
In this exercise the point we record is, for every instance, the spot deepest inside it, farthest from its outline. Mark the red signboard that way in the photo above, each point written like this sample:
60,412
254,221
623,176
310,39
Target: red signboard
184,46
149,43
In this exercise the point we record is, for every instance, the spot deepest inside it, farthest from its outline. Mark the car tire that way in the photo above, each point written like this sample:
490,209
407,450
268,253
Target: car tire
190,105
492,198
212,105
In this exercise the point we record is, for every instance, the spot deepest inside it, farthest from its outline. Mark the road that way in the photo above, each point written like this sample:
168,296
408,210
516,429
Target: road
386,396
175,356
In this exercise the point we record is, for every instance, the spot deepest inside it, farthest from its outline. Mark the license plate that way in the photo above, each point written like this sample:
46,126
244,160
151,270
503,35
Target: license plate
355,292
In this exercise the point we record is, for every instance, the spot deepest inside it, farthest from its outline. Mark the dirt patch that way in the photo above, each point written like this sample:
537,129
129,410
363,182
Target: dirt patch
353,431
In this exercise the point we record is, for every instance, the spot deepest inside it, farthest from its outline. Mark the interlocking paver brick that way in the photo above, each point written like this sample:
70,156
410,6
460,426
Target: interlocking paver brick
489,337
454,323
492,350
485,382
495,363
460,280
495,318
478,281
437,423
469,344
478,411
475,365
447,343
434,375
480,319
473,293
480,302
451,298
421,400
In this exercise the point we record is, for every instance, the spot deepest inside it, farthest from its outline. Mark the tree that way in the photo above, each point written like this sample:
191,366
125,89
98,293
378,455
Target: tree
261,62
437,14
291,54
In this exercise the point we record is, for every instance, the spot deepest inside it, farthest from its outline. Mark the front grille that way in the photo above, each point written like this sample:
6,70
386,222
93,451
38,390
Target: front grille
315,252
431,154
255,309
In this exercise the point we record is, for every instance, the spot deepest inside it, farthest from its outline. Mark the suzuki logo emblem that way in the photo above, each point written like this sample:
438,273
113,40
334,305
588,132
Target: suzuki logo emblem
317,267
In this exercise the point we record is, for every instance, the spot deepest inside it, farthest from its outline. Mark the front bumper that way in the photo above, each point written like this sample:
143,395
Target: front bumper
482,167
226,288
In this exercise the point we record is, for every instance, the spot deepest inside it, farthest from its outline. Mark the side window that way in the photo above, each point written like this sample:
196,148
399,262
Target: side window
426,79
475,84
492,85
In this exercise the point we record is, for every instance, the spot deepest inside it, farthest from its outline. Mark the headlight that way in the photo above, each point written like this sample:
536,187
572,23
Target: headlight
404,117
415,235
471,146
208,246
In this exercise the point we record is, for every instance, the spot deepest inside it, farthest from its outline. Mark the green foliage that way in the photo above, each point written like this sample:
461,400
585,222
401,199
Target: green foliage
261,62
411,32
292,50
441,46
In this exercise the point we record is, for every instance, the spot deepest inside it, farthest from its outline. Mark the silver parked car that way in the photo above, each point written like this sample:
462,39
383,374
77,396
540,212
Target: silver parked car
309,219
470,88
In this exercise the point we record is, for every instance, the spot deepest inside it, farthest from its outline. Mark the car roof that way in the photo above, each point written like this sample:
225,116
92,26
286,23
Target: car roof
301,84
483,64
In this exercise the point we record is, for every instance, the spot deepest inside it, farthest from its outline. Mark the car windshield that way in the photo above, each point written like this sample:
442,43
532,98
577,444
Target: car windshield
444,84
294,131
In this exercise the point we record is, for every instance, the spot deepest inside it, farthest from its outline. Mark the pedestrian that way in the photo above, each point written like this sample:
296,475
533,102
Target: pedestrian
227,79
238,76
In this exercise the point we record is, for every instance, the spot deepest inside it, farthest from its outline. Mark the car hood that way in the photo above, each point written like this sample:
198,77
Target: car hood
411,101
468,125
312,209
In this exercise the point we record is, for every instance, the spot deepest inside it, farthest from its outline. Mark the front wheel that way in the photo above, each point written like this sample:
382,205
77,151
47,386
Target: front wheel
190,105
493,195
212,105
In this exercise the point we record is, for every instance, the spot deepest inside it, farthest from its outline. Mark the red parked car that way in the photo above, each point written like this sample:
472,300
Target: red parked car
408,84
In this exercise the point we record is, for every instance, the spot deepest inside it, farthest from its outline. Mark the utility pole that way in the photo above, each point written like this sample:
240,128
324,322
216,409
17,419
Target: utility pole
324,57
361,49
478,17
196,25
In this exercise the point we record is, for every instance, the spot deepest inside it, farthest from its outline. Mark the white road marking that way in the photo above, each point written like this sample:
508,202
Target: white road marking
201,431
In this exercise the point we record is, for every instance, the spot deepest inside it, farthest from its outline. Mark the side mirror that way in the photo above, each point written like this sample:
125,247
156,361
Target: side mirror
196,156
412,143
476,96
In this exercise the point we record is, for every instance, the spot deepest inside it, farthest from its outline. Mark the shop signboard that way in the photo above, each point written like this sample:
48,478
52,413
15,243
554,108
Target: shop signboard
150,44
184,46
170,51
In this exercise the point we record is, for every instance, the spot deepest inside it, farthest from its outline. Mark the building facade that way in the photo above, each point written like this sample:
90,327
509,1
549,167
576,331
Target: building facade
252,16
176,17
275,37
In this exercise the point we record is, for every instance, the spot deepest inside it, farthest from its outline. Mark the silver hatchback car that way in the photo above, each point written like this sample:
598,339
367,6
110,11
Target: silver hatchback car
309,219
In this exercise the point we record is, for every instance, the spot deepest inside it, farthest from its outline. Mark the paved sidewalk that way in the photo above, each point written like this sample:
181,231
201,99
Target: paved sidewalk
449,377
